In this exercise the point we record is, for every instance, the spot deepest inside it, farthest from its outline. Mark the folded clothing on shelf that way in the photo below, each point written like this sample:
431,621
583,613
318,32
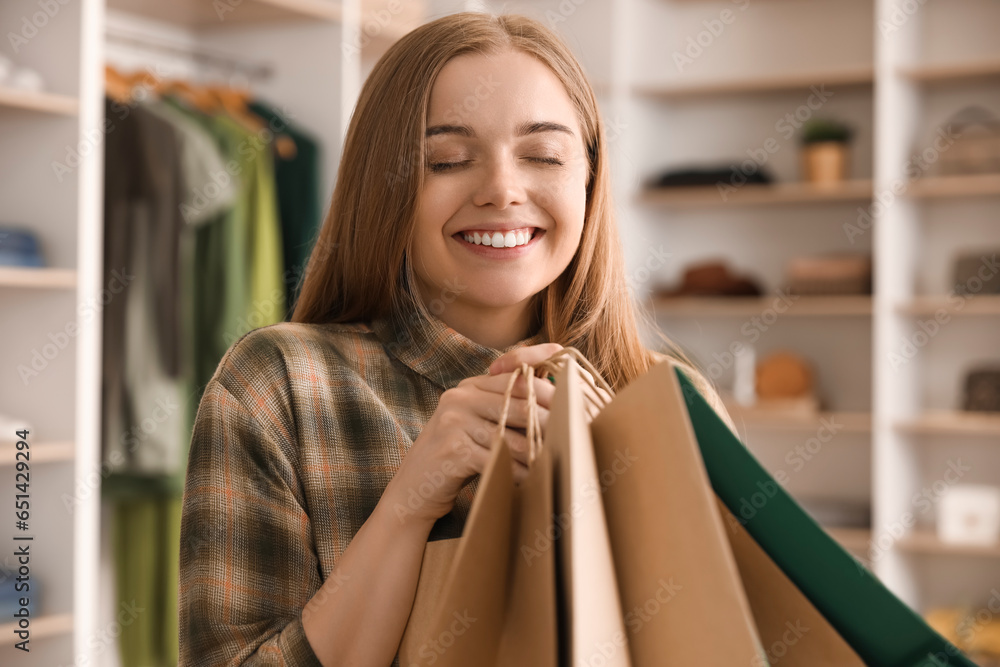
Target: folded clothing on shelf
10,596
698,176
19,247
712,278
982,390
968,277
833,273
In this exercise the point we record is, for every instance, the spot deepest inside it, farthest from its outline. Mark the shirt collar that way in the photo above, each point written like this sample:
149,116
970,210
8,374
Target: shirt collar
438,352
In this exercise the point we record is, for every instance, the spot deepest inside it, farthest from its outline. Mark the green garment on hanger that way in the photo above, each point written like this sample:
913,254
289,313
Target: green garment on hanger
237,273
298,181
146,551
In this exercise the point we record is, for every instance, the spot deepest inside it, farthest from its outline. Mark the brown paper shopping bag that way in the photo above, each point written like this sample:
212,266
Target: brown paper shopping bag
591,622
688,577
528,554
480,599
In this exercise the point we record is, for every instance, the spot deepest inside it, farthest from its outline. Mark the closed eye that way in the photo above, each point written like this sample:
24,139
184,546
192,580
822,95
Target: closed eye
445,166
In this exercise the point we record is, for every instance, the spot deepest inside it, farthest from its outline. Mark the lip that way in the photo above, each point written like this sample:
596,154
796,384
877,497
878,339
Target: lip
499,253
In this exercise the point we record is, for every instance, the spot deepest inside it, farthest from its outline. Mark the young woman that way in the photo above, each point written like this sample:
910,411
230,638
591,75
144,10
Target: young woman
471,230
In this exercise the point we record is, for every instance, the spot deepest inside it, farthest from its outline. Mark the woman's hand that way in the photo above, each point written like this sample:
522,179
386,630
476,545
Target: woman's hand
597,396
455,443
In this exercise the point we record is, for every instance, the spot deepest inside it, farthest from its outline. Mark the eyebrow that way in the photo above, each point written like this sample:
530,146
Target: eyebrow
523,130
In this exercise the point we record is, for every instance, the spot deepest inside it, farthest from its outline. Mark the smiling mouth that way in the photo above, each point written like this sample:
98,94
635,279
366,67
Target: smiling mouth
499,240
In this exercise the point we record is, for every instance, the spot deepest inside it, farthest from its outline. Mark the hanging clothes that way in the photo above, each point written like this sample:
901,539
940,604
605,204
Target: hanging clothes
297,178
241,258
194,236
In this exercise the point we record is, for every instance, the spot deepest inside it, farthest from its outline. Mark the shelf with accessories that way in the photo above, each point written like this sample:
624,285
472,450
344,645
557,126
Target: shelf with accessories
852,191
749,306
775,83
896,87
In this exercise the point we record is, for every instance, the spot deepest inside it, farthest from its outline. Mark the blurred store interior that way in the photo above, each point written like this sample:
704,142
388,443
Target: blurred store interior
807,192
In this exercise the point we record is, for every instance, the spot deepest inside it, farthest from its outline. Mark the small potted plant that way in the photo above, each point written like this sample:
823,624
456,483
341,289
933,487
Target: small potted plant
825,145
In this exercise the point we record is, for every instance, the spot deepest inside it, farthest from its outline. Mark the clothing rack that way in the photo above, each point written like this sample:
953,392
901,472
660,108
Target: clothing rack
199,54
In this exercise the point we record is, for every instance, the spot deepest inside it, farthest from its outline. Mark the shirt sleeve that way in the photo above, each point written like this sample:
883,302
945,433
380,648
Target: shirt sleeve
248,565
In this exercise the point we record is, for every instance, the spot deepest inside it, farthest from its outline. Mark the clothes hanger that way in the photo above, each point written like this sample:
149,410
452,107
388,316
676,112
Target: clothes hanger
116,85
194,96
235,101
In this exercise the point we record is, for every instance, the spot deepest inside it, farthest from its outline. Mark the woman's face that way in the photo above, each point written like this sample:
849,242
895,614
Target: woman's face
505,165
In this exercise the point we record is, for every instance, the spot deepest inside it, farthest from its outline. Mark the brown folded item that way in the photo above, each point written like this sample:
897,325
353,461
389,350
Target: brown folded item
830,274
711,279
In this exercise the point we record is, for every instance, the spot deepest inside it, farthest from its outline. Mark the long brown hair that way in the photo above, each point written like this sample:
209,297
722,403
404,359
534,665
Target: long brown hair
360,266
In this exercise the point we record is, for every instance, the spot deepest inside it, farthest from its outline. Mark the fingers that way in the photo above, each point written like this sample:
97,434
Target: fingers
517,442
497,384
530,354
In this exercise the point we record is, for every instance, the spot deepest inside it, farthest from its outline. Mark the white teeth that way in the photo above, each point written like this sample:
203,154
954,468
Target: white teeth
499,239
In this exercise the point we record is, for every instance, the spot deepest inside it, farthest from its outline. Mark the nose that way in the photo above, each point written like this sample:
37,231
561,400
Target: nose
501,183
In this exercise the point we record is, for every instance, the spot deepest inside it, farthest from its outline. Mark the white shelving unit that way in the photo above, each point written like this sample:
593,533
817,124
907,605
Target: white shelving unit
50,184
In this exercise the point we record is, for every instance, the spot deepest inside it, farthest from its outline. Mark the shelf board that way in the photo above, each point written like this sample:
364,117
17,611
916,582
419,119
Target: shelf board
708,196
47,625
852,76
16,276
951,422
976,304
202,14
946,72
748,306
927,542
764,420
964,185
42,452
853,539
41,101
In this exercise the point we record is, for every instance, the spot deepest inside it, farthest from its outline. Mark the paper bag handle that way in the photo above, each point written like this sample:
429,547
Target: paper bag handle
553,363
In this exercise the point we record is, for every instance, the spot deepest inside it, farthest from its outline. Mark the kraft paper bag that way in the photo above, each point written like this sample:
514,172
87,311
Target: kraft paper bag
792,631
680,585
882,629
776,586
460,622
531,580
489,597
591,621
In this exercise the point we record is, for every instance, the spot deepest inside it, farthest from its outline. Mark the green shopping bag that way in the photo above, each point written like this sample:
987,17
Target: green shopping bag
880,627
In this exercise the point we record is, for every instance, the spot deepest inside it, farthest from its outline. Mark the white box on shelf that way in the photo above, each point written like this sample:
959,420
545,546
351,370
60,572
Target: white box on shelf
969,514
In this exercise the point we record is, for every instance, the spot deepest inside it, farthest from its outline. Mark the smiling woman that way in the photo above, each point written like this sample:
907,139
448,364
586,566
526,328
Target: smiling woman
471,229
515,161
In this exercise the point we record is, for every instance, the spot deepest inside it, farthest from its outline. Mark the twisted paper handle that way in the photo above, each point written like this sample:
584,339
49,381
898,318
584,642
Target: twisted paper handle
553,363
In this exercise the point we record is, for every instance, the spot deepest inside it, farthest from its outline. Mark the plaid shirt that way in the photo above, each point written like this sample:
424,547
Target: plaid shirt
296,437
